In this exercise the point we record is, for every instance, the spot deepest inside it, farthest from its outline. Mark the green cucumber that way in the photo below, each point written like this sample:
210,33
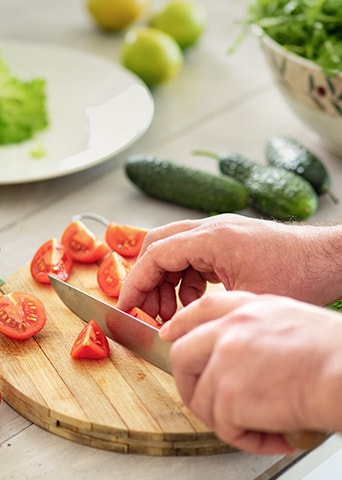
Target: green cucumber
274,191
285,152
186,186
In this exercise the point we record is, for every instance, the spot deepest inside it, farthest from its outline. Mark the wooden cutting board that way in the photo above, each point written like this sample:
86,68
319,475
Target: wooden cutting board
121,403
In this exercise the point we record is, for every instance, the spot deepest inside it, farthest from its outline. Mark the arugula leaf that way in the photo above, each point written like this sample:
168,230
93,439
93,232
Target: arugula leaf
309,28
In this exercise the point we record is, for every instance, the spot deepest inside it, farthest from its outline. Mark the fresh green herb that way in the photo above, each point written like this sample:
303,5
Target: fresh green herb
309,28
22,107
336,306
38,151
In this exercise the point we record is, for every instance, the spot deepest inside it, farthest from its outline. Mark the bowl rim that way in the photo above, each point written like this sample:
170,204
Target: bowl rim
269,41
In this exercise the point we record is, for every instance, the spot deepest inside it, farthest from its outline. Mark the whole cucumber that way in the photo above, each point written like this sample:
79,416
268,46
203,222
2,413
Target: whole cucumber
285,152
186,186
274,191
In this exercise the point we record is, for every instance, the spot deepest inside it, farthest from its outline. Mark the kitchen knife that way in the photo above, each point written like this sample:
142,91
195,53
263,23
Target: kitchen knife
144,340
128,331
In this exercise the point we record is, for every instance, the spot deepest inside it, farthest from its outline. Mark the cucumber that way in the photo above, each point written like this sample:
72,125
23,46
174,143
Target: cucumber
285,152
186,186
274,191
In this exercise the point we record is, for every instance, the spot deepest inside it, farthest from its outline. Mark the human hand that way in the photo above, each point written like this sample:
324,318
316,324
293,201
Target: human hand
242,253
251,366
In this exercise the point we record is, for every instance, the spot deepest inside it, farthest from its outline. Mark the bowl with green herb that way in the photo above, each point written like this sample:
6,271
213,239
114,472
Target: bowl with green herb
302,42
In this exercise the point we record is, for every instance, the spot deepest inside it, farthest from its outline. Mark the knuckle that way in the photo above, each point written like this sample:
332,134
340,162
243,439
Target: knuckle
208,301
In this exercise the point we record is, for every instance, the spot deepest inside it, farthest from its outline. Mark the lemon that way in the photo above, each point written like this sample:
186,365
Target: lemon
184,20
113,15
151,54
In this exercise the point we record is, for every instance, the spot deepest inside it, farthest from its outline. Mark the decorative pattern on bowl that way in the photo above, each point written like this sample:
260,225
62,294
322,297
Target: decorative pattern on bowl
303,80
313,97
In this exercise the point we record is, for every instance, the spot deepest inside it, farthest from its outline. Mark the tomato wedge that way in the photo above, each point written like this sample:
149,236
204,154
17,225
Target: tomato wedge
125,239
81,243
111,274
22,315
51,257
144,317
91,343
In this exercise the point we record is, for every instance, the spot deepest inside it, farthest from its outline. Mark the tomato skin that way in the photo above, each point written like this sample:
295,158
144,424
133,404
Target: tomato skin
81,244
90,343
143,316
22,315
111,274
51,257
125,239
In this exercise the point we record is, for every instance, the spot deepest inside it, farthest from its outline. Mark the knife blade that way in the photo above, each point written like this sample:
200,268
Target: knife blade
144,340
128,331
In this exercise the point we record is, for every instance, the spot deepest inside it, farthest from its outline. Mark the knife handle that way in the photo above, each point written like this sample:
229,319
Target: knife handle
304,440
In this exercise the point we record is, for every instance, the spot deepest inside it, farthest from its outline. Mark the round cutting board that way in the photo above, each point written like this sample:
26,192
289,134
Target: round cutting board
121,403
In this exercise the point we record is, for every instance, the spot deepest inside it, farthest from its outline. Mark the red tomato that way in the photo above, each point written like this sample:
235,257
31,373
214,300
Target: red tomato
51,257
125,239
111,274
81,243
22,315
144,317
91,342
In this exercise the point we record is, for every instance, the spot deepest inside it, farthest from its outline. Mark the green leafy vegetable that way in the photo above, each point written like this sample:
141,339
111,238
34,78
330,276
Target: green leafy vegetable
336,306
22,107
309,28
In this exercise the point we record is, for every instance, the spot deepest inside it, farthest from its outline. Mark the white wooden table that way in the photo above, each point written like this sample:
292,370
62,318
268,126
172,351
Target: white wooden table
217,102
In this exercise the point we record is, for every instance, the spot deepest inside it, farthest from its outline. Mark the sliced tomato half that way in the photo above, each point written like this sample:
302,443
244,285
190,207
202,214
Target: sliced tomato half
81,243
51,257
91,343
144,317
111,274
22,315
125,239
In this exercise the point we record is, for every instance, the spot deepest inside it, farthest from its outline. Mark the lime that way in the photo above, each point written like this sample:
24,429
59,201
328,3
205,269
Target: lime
184,20
113,15
151,54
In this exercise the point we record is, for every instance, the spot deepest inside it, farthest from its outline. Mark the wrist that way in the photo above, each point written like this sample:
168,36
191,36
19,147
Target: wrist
322,267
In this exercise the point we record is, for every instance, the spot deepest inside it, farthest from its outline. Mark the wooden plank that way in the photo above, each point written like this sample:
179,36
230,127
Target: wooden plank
121,403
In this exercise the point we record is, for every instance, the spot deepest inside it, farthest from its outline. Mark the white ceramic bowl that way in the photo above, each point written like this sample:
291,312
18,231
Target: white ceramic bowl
314,97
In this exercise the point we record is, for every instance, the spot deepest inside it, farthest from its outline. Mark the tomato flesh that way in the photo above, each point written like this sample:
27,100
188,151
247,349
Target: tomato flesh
125,239
81,244
144,317
22,315
51,258
111,274
90,343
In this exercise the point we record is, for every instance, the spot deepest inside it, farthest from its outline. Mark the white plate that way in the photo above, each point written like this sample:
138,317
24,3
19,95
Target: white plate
96,109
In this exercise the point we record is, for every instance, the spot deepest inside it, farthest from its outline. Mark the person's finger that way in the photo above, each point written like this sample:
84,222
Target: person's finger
161,257
207,308
167,300
151,303
189,356
192,286
168,230
259,443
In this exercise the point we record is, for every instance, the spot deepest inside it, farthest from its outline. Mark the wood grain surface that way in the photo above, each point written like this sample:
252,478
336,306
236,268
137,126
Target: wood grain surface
121,403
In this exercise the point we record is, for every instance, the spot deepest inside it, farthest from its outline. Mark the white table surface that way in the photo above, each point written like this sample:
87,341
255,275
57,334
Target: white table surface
217,102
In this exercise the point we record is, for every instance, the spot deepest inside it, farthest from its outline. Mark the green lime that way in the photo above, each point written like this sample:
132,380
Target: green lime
113,15
184,20
152,55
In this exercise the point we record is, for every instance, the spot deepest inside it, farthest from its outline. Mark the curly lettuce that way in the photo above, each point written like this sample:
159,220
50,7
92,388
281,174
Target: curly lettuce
23,109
